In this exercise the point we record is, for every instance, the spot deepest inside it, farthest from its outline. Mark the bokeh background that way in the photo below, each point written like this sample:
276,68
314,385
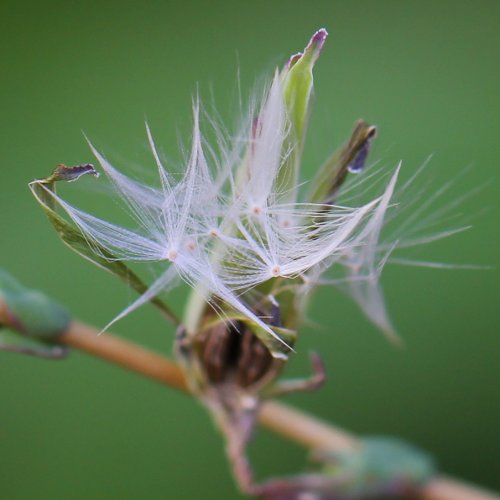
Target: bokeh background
425,72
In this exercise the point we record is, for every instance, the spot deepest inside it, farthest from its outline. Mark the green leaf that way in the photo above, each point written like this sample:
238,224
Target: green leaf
380,465
36,320
71,235
30,312
297,81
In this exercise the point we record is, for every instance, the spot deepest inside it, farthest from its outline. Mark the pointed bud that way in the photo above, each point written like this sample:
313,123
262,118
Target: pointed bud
297,83
350,158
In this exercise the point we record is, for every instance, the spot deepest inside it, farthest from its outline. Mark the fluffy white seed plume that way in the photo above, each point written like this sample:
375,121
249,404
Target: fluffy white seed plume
362,261
221,224
366,261
266,149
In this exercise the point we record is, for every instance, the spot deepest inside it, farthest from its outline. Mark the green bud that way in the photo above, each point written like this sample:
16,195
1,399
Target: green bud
297,84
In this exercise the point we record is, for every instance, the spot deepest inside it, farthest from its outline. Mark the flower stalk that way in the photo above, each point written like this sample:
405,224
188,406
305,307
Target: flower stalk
286,421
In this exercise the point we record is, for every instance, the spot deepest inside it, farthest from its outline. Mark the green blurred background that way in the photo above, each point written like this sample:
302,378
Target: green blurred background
425,72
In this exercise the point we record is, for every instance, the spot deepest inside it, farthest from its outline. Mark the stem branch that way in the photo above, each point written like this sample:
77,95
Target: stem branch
284,420
125,354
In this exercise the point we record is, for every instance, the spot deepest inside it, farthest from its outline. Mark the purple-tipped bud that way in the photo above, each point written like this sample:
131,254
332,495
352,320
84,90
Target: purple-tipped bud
317,40
313,48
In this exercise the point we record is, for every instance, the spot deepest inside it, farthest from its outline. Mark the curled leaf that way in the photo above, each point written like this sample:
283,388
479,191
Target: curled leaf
70,174
381,468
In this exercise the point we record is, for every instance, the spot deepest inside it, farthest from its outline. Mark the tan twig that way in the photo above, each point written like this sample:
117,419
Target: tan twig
284,420
304,429
442,488
125,354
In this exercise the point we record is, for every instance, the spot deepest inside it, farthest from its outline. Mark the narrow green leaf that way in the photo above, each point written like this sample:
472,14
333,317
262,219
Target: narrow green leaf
74,239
